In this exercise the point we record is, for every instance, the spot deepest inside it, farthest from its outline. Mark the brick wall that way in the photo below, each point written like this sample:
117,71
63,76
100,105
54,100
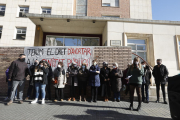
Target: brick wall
95,8
121,55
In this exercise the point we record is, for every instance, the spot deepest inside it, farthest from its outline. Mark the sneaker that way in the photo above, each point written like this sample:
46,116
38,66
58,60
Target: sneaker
6,99
43,102
20,102
34,101
10,102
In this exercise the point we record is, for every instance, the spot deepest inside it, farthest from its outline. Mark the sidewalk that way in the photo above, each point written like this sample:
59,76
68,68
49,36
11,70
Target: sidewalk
83,111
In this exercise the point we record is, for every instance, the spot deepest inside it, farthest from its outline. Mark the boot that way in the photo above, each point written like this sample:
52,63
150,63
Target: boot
35,101
10,102
131,107
139,107
165,102
43,101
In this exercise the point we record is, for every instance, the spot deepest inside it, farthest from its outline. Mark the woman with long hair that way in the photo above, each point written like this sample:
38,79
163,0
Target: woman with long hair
135,73
40,79
60,76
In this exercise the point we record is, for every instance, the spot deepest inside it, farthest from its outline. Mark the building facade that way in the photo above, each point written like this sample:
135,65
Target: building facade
91,23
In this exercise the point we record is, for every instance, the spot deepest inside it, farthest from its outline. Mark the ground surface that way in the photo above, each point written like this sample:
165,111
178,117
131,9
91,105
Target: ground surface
83,111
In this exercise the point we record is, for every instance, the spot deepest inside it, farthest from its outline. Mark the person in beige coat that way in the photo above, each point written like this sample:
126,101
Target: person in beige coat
59,76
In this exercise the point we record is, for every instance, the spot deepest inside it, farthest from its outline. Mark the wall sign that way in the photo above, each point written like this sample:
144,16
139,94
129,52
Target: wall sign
115,42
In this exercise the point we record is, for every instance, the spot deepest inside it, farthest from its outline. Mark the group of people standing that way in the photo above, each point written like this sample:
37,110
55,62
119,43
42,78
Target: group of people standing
136,76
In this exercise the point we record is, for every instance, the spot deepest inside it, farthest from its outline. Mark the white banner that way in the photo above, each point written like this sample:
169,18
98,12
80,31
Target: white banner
65,54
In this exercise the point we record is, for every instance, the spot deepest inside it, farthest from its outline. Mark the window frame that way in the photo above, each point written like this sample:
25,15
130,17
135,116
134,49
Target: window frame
2,6
64,37
24,9
21,29
110,4
136,51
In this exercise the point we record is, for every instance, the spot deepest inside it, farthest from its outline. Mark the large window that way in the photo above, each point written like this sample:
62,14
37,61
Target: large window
110,3
138,47
111,16
71,41
23,11
0,32
20,33
46,10
2,10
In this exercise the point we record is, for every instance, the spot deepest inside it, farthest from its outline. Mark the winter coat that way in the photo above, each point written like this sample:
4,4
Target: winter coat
106,89
61,77
137,74
72,73
18,70
147,76
116,83
94,79
44,78
83,75
162,77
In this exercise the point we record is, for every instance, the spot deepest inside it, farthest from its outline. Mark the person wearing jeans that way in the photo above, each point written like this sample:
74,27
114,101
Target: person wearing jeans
40,80
116,84
160,73
17,74
9,87
94,79
146,82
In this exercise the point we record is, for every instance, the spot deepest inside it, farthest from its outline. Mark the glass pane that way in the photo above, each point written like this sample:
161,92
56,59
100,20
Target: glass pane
141,47
44,11
90,41
24,31
51,41
116,3
18,31
105,4
48,11
59,41
133,56
133,47
136,41
72,41
142,54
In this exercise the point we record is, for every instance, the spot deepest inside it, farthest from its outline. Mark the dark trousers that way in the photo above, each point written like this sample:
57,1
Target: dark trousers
82,88
94,92
48,89
163,91
59,94
138,90
146,91
29,91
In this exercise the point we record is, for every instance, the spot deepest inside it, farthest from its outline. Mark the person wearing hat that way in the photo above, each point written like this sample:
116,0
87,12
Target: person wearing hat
82,81
116,84
72,73
105,81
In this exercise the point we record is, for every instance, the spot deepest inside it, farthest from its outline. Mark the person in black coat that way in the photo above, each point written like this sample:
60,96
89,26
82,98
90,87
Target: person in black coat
146,82
82,81
160,73
40,80
105,81
116,83
31,87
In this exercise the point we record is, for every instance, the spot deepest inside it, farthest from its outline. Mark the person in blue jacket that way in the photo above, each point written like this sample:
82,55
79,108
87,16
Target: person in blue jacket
94,79
9,87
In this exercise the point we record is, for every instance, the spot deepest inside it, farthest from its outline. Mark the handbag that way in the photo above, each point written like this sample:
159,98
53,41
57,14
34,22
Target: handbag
55,81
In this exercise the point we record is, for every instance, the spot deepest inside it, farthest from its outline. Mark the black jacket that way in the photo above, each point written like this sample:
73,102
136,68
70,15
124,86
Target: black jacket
162,78
147,75
104,74
45,76
18,70
83,75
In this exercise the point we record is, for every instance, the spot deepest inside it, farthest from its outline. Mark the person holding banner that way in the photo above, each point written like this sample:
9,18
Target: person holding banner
59,78
72,73
94,79
40,79
82,80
